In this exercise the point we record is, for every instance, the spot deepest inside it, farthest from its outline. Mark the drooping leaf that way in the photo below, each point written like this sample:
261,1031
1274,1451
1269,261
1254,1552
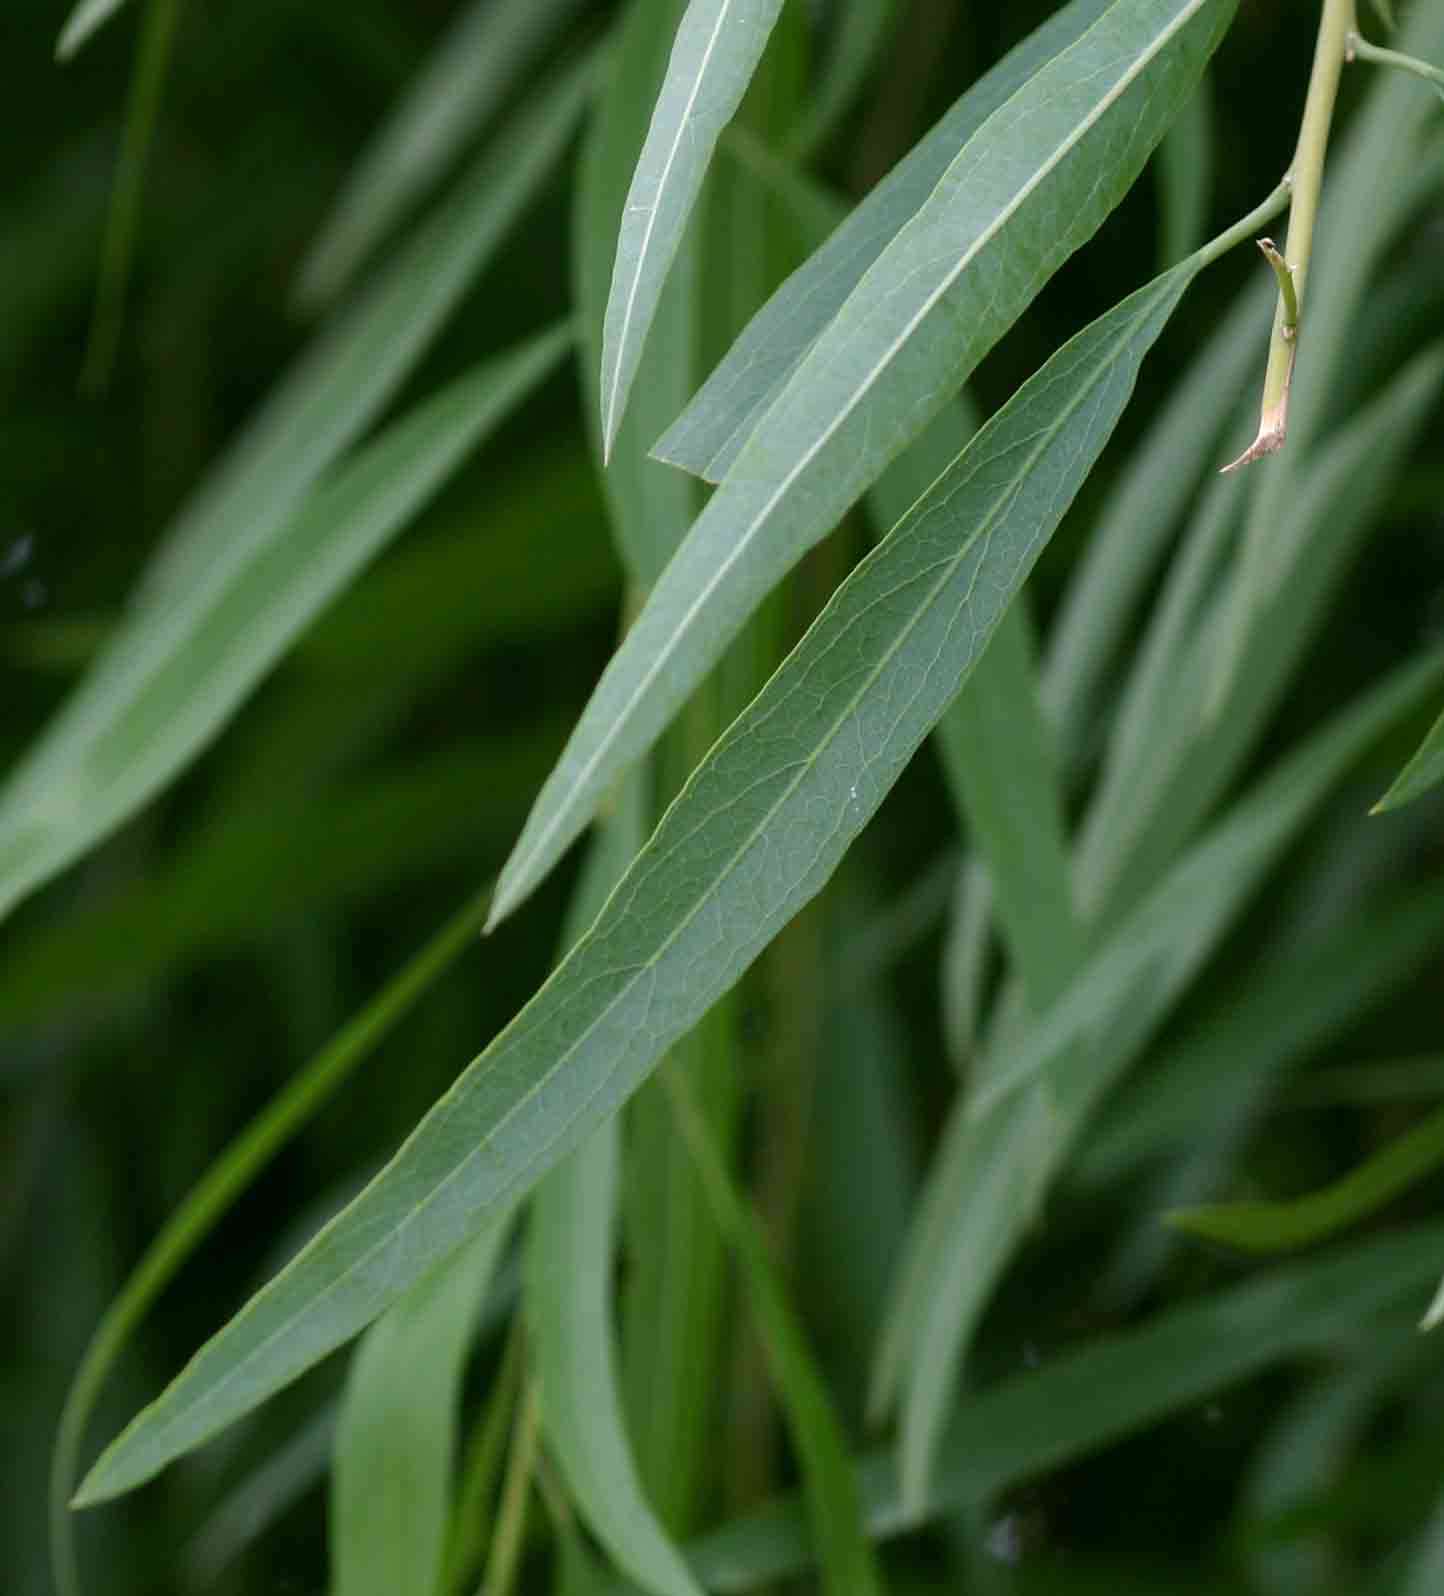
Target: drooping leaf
1424,770
717,48
828,1481
1276,1226
814,756
1084,1400
651,506
1069,143
396,1435
569,1300
471,70
60,801
1002,1149
228,1178
710,433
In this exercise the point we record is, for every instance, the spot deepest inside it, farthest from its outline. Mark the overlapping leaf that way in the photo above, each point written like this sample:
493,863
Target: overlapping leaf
1067,145
718,46
754,835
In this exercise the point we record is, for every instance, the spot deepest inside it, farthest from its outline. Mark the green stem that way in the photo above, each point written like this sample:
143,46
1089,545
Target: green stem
223,1183
1306,175
1358,48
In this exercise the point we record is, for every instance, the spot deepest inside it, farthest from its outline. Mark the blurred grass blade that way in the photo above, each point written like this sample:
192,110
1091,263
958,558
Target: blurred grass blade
1140,513
87,18
862,31
1002,1149
357,363
718,46
165,690
1425,1571
397,1432
1189,760
470,72
1281,1010
828,1482
651,506
1185,179
1276,1226
815,754
1070,142
1424,770
1035,1422
152,64
228,1177
711,432
569,1270
569,1303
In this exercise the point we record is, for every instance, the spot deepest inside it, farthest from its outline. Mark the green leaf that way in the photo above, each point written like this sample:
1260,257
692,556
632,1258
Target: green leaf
1424,770
570,1261
1275,1226
85,19
1069,142
718,46
471,70
1274,1015
828,1481
228,1177
1022,1427
167,685
1002,1149
569,1268
813,757
396,1435
707,437
651,505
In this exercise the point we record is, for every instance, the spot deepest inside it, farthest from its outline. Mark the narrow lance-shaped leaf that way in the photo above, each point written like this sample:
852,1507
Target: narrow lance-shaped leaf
1088,1398
1424,770
396,1436
88,17
1274,1226
1002,1149
753,836
569,1269
334,393
140,723
707,437
829,1483
1031,186
471,69
718,46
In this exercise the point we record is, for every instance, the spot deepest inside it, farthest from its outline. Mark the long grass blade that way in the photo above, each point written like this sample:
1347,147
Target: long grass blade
1002,1149
396,1437
166,690
718,46
470,72
227,1179
829,1486
1070,142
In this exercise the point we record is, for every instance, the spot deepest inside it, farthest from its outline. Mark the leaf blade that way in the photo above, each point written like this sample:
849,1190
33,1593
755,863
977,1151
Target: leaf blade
599,1021
718,46
1424,770
937,298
